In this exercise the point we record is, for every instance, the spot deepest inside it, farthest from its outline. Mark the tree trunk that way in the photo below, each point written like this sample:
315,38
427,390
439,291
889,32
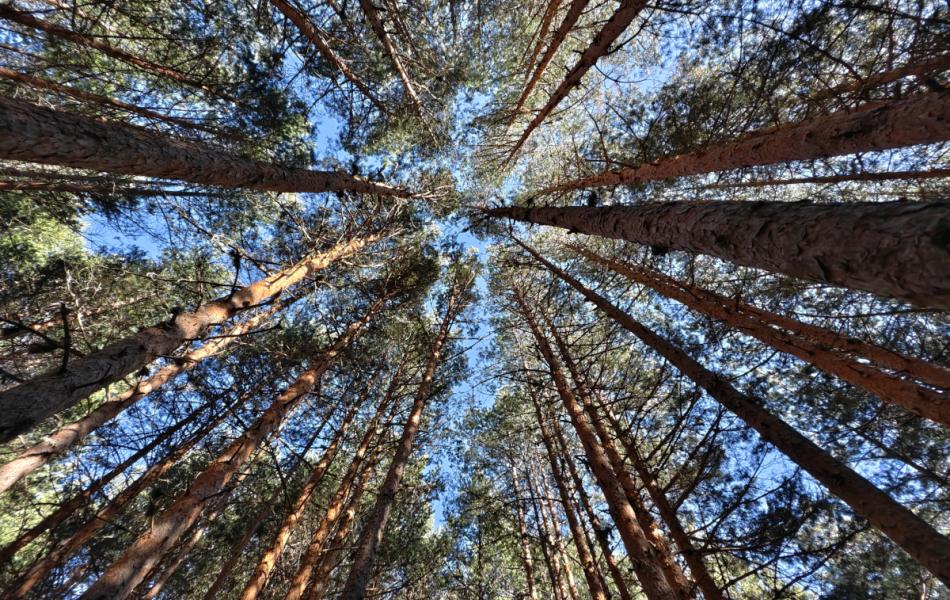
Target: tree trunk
41,135
61,390
895,249
600,530
674,575
337,504
372,534
69,435
548,549
376,24
128,570
526,559
599,47
925,401
935,64
889,176
108,513
237,550
272,554
921,119
643,555
548,512
588,564
911,533
310,31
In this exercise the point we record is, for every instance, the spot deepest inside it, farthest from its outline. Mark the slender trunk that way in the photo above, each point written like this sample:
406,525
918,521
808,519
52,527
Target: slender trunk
547,510
674,575
574,11
526,559
373,531
9,13
588,564
376,24
599,47
725,308
921,119
61,390
237,550
643,555
908,531
128,570
548,549
36,134
86,496
310,31
893,388
667,512
935,64
70,434
336,506
328,559
107,514
889,176
270,557
600,530
93,190
894,249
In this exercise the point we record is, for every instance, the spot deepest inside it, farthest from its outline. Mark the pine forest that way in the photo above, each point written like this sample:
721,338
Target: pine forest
475,299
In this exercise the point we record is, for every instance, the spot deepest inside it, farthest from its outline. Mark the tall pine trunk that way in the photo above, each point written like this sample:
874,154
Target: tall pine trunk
908,531
27,404
894,249
524,543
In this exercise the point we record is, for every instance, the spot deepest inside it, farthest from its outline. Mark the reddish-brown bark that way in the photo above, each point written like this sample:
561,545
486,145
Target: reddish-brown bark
552,558
129,570
889,176
376,24
930,402
526,559
894,249
70,434
642,553
927,66
42,135
908,531
615,26
61,390
922,119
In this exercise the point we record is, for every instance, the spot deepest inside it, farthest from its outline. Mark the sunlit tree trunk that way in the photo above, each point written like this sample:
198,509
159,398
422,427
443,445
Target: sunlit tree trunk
376,24
128,570
42,135
908,531
548,548
27,404
921,119
372,534
588,564
548,512
643,555
894,249
888,176
769,328
71,434
935,64
526,559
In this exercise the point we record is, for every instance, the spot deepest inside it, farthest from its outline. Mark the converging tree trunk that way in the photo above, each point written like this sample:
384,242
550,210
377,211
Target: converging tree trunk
376,24
921,119
130,569
526,559
41,135
929,401
27,404
894,249
908,531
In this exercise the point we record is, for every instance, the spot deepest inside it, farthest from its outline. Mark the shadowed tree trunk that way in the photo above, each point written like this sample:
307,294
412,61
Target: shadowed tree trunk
935,64
310,31
643,555
42,135
372,534
889,176
921,119
376,24
69,435
525,544
82,377
129,570
272,554
894,249
893,388
908,531
588,564
599,47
